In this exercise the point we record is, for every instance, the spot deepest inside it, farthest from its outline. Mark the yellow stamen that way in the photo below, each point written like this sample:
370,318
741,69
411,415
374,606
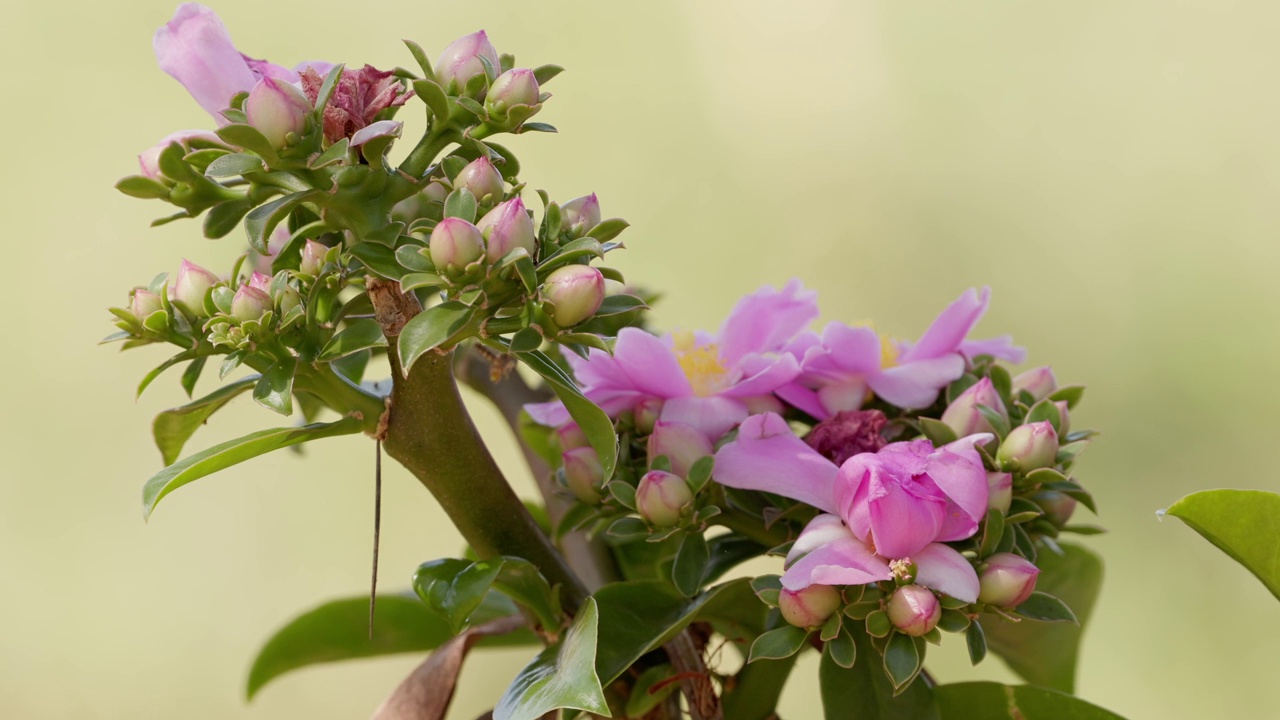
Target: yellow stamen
700,363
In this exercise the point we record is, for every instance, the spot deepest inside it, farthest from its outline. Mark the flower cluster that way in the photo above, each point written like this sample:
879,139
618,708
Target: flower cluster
910,486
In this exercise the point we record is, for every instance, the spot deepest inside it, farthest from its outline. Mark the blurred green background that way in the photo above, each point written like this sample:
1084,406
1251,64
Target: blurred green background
1110,168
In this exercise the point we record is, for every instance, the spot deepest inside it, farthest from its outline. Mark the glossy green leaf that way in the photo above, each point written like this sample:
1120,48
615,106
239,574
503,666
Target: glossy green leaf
938,432
562,676
993,701
262,220
420,56
339,630
594,422
544,73
439,326
902,659
652,687
336,152
454,588
274,390
379,259
142,187
460,204
155,373
690,566
247,137
865,692
434,96
1043,607
1244,524
172,428
608,229
329,86
233,164
1045,654
358,335
233,452
779,643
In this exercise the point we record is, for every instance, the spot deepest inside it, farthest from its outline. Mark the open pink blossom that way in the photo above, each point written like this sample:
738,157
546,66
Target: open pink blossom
844,365
898,500
703,380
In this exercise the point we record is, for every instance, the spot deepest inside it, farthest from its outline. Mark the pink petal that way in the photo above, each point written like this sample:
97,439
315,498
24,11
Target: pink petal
843,396
957,470
778,372
842,560
768,456
766,320
916,384
905,516
650,365
950,328
1001,348
551,414
853,349
941,568
803,398
196,49
714,416
382,128
821,530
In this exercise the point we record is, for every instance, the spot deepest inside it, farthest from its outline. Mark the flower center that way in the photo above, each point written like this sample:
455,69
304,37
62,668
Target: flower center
701,364
888,352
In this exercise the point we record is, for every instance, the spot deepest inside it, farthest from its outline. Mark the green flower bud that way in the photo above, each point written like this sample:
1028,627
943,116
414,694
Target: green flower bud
1029,447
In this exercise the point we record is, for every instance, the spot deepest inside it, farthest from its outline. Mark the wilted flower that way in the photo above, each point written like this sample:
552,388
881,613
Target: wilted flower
360,96
847,434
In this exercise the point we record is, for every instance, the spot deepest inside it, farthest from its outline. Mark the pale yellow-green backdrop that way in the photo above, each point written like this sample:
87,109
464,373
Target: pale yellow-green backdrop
1109,167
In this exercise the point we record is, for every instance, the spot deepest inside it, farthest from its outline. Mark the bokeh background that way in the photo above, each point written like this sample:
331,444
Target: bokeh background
1109,167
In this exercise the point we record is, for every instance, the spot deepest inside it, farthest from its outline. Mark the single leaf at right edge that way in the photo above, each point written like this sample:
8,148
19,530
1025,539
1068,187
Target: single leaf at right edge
233,452
562,676
1043,653
172,428
993,701
1244,524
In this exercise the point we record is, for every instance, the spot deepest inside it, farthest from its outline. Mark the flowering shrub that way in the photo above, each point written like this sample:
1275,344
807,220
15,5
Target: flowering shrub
903,491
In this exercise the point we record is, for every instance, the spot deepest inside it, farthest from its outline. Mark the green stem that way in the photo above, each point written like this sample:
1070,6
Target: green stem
419,159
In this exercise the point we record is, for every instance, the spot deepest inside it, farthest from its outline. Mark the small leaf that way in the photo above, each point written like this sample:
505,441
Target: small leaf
562,676
248,137
223,218
700,472
435,98
460,204
274,390
233,165
902,660
976,641
842,650
651,688
328,87
233,452
992,533
1046,608
420,57
155,373
544,73
262,220
779,643
172,428
142,187
359,335
336,153
690,566
608,229
379,259
594,422
439,326
1045,411
938,432
191,375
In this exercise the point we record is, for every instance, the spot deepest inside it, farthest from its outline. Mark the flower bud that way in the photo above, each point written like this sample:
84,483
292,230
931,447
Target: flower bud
1029,447
288,299
313,254
914,610
571,436
455,244
261,281
584,474
143,303
579,215
435,192
662,497
249,303
1064,417
646,415
682,444
461,60
999,491
508,226
963,416
191,286
1038,382
1058,507
1006,580
276,109
576,291
149,160
513,87
809,607
481,178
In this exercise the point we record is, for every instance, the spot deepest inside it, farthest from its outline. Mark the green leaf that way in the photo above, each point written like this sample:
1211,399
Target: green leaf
578,249
454,588
339,630
420,57
356,336
143,187
975,639
594,422
1043,411
754,695
379,259
938,432
411,257
651,688
1073,394
864,691
902,659
690,565
778,643
223,218
1044,607
562,676
1244,524
992,532
608,229
155,373
1045,653
328,87
336,152
461,204
434,96
172,428
842,650
439,326
274,390
544,73
234,164
233,452
262,220
993,701
191,375
247,137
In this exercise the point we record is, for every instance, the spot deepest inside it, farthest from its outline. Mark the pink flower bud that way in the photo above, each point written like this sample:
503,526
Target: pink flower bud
261,281
963,416
481,178
1038,382
313,254
914,610
584,474
435,192
681,444
455,244
149,161
277,109
571,436
144,303
662,498
579,215
999,491
508,226
513,87
809,607
249,303
1058,507
461,60
576,291
1029,447
191,286
646,414
1007,580
1064,415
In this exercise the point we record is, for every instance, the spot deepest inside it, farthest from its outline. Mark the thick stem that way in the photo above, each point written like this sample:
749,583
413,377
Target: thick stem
429,431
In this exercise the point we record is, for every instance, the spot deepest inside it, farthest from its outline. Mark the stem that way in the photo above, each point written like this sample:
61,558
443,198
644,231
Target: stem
426,150
429,431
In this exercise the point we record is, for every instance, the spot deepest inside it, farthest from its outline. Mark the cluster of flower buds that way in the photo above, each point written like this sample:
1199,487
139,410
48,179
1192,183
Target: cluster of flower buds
498,94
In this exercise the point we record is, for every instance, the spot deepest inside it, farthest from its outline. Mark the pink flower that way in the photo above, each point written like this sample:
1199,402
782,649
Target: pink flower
844,365
704,380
